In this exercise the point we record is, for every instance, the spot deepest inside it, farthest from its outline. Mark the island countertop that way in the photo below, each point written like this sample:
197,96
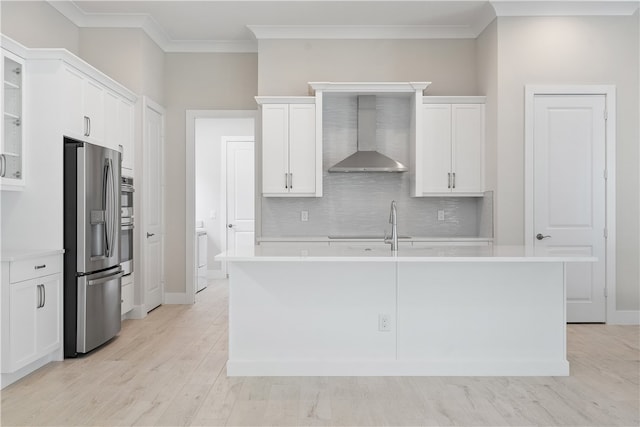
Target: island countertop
489,253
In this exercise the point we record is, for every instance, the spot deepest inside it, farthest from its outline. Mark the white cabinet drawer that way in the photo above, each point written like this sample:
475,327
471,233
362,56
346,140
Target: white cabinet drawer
31,268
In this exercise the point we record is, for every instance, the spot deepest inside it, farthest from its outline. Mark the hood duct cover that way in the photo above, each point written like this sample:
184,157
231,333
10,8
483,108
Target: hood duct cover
367,159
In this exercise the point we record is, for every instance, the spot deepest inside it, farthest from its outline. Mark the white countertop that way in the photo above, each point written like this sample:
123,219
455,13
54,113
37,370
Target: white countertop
11,255
404,254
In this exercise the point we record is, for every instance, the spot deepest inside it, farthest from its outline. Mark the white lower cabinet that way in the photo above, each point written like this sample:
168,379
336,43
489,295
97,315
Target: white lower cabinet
126,295
31,313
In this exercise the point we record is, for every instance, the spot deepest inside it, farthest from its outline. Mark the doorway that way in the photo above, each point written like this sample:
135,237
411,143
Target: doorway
206,185
569,193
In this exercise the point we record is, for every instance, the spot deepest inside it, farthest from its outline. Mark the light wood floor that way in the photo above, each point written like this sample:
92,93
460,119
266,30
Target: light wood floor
168,370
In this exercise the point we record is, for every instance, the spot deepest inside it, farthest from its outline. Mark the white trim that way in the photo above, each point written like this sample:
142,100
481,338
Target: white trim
564,8
362,32
190,185
285,100
211,46
176,298
609,91
369,87
426,99
624,317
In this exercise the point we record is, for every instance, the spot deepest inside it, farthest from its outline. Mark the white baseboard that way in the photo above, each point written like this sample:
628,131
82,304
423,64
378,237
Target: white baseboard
137,312
624,317
10,378
215,274
175,298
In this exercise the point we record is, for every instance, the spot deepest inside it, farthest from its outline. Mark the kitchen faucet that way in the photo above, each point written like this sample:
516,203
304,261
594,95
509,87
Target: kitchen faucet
393,220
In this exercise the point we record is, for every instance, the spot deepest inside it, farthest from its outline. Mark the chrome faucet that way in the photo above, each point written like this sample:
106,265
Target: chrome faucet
393,220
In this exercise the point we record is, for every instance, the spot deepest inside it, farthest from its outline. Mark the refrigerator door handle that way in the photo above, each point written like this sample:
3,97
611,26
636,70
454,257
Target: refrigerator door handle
106,279
112,208
105,205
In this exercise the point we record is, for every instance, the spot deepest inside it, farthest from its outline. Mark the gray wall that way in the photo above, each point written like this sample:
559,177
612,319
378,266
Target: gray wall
286,66
37,24
571,50
200,81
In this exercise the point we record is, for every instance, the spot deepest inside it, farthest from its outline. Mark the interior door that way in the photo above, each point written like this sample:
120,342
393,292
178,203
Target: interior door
153,207
569,193
240,193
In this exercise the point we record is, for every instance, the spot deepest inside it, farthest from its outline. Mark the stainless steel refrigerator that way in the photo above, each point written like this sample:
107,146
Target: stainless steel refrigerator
92,272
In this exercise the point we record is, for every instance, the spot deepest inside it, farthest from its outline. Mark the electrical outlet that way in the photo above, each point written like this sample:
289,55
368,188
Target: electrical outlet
384,323
440,215
304,216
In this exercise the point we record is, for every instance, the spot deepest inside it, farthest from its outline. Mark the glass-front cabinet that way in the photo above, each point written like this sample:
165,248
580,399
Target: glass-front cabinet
12,149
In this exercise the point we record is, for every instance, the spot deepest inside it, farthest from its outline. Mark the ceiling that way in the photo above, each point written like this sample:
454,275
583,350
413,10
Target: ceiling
235,26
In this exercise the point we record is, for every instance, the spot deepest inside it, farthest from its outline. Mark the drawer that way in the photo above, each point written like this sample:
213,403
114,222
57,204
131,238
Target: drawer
32,268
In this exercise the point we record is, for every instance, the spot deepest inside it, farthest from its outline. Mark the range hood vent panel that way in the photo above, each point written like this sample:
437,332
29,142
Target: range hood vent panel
367,158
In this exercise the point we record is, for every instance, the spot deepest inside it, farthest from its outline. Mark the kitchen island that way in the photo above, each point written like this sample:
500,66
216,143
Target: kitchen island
445,310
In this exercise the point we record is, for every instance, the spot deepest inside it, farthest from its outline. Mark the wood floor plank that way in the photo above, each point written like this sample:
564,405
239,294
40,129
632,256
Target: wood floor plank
169,369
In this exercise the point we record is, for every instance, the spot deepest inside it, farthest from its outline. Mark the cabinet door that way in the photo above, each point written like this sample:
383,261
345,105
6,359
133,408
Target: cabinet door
112,138
467,142
275,153
48,331
302,148
94,109
436,150
24,300
125,120
73,117
12,125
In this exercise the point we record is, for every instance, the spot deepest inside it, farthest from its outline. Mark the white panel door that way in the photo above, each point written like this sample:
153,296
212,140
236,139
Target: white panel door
569,193
436,157
467,146
275,148
153,207
302,148
240,193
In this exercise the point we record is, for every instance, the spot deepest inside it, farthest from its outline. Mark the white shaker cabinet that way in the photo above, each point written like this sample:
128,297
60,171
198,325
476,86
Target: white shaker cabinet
450,153
86,115
12,125
291,153
125,135
31,313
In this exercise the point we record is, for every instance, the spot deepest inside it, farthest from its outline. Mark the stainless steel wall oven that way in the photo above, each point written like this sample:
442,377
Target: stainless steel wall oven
126,228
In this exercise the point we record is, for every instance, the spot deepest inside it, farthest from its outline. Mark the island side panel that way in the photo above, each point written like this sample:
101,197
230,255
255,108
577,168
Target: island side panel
310,318
482,318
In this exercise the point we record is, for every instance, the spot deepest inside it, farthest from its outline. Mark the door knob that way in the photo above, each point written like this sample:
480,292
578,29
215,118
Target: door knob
230,225
150,235
539,236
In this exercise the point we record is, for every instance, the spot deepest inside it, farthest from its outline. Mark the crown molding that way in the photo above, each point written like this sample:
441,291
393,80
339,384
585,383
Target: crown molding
332,32
151,27
565,7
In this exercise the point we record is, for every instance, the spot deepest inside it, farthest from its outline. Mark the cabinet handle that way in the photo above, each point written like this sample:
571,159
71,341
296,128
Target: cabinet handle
449,180
44,295
86,125
454,180
89,121
39,297
3,165
39,267
290,181
286,180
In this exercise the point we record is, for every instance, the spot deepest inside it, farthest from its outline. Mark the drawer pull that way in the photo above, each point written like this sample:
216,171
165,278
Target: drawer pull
39,267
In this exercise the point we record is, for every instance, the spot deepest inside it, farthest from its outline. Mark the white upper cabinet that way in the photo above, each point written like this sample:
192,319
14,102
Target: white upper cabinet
449,154
125,120
290,149
86,106
12,147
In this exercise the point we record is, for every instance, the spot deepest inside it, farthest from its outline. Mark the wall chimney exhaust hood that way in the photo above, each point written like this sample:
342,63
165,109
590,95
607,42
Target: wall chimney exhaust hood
367,158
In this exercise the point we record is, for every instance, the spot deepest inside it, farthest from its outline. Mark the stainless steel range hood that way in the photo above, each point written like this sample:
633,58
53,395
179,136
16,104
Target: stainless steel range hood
367,159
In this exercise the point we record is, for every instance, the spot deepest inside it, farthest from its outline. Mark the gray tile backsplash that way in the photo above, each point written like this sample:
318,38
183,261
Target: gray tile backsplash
357,204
